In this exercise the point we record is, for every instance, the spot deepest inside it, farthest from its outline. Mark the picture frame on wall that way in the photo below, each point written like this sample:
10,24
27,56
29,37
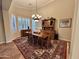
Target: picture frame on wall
65,23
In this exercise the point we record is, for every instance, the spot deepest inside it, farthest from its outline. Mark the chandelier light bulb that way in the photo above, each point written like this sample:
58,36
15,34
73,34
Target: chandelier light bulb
33,15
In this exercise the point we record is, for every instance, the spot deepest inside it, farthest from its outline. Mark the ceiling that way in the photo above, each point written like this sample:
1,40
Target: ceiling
6,4
30,4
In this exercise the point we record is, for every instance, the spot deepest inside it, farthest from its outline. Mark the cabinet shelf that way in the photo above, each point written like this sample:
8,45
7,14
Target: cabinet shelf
48,24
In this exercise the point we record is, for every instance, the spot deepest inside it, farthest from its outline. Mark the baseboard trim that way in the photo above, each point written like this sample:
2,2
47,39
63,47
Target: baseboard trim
2,42
12,39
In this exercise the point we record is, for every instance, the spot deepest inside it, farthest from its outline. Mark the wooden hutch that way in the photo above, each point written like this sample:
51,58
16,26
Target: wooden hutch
48,25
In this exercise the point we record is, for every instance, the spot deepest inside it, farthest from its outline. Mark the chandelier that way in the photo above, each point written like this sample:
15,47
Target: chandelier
36,16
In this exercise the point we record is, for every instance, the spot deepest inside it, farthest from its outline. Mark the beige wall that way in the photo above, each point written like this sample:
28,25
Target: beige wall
6,25
2,32
60,9
5,9
75,33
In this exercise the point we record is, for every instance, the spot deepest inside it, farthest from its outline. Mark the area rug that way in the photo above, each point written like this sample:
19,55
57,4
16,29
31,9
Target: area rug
29,51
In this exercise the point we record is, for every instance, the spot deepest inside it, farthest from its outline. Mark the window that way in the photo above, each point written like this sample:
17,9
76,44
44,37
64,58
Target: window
36,26
27,23
24,23
19,23
13,23
33,25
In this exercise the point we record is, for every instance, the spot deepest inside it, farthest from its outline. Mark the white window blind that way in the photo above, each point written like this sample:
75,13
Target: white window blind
13,23
24,23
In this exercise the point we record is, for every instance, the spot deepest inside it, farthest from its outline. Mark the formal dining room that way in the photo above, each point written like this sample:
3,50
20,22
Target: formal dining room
36,29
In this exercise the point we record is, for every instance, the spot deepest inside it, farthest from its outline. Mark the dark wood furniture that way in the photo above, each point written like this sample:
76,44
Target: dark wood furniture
48,25
25,32
41,39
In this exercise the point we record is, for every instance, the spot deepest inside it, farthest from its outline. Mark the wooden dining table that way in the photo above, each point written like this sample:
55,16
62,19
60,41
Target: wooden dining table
42,37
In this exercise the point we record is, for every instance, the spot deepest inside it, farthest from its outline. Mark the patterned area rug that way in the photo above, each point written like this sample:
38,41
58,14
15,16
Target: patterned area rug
29,51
